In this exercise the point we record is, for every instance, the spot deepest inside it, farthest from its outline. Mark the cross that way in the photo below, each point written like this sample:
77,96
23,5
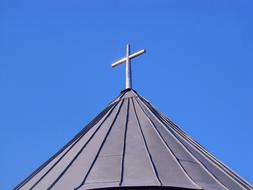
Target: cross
127,60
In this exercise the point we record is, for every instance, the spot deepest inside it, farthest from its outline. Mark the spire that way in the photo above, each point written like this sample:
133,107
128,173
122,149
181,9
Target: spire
127,60
131,145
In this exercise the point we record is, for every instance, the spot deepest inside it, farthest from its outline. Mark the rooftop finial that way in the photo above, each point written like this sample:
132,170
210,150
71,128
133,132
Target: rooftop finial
127,60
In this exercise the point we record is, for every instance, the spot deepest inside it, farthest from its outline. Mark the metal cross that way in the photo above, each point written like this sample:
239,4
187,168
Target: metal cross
127,60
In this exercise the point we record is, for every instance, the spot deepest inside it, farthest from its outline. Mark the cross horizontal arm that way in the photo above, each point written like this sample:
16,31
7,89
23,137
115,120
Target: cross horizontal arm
137,54
130,57
119,62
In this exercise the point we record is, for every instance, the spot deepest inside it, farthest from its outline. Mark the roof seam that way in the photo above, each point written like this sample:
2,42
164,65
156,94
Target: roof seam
169,149
52,167
146,147
100,148
124,146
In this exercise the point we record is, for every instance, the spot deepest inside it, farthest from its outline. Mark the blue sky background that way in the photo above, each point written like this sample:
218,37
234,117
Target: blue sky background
55,73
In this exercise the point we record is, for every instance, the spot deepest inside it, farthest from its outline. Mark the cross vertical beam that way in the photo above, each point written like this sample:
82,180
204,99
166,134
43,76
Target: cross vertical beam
128,68
127,60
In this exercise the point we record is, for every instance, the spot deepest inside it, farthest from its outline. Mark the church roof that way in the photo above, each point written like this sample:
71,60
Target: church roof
132,144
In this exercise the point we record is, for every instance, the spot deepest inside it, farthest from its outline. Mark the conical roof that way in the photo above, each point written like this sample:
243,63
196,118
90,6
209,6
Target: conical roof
130,144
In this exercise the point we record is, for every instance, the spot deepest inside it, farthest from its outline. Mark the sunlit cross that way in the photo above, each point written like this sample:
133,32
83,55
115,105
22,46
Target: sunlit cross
127,60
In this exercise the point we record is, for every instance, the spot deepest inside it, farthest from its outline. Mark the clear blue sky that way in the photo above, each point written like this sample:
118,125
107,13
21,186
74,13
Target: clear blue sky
55,73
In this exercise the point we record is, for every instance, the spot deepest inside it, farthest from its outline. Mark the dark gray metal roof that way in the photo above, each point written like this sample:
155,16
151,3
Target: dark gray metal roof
131,144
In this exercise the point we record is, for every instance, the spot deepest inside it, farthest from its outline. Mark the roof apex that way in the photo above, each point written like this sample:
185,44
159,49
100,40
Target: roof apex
128,93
